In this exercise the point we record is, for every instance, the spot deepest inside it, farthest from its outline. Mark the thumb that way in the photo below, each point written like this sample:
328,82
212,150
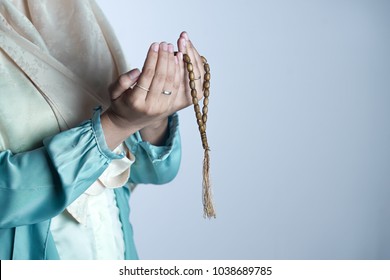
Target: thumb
123,83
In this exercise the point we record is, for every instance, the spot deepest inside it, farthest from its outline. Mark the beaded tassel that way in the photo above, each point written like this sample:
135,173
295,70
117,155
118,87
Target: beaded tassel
201,119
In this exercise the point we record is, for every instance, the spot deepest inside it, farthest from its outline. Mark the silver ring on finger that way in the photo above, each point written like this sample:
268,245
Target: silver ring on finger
166,92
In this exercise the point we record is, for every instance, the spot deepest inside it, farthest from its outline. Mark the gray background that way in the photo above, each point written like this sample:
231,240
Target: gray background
299,128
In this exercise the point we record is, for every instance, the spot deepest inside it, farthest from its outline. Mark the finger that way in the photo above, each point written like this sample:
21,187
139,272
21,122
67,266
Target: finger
200,64
184,35
160,74
182,45
148,70
171,73
176,79
185,46
123,83
182,42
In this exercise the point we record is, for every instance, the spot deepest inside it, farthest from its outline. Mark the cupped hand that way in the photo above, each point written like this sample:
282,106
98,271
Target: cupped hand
143,100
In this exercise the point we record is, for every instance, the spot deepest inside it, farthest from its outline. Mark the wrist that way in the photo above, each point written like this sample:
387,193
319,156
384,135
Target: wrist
156,133
115,130
158,124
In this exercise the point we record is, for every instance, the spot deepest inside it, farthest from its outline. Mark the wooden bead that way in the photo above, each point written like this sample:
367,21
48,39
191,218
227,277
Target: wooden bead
207,77
206,92
206,102
204,60
206,85
192,84
200,122
196,108
190,68
206,68
194,100
194,93
186,58
205,110
198,115
202,129
191,75
204,118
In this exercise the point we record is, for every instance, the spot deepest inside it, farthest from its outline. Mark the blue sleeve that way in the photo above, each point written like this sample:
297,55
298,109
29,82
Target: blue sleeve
156,164
37,185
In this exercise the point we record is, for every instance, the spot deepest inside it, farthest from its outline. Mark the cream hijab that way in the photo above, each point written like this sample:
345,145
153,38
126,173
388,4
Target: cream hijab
61,52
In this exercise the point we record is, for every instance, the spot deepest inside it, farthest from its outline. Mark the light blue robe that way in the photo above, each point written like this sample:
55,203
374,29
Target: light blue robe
37,185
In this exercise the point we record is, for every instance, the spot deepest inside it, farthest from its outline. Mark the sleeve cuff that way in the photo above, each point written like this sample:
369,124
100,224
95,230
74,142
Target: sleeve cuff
100,139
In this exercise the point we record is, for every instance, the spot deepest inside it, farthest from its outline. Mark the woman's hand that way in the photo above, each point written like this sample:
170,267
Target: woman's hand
161,89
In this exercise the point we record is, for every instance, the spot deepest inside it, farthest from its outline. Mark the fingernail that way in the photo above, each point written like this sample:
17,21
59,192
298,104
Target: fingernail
183,43
155,47
185,35
164,46
134,74
171,48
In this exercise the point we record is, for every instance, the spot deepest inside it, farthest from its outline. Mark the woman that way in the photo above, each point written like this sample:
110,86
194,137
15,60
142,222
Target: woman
70,148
